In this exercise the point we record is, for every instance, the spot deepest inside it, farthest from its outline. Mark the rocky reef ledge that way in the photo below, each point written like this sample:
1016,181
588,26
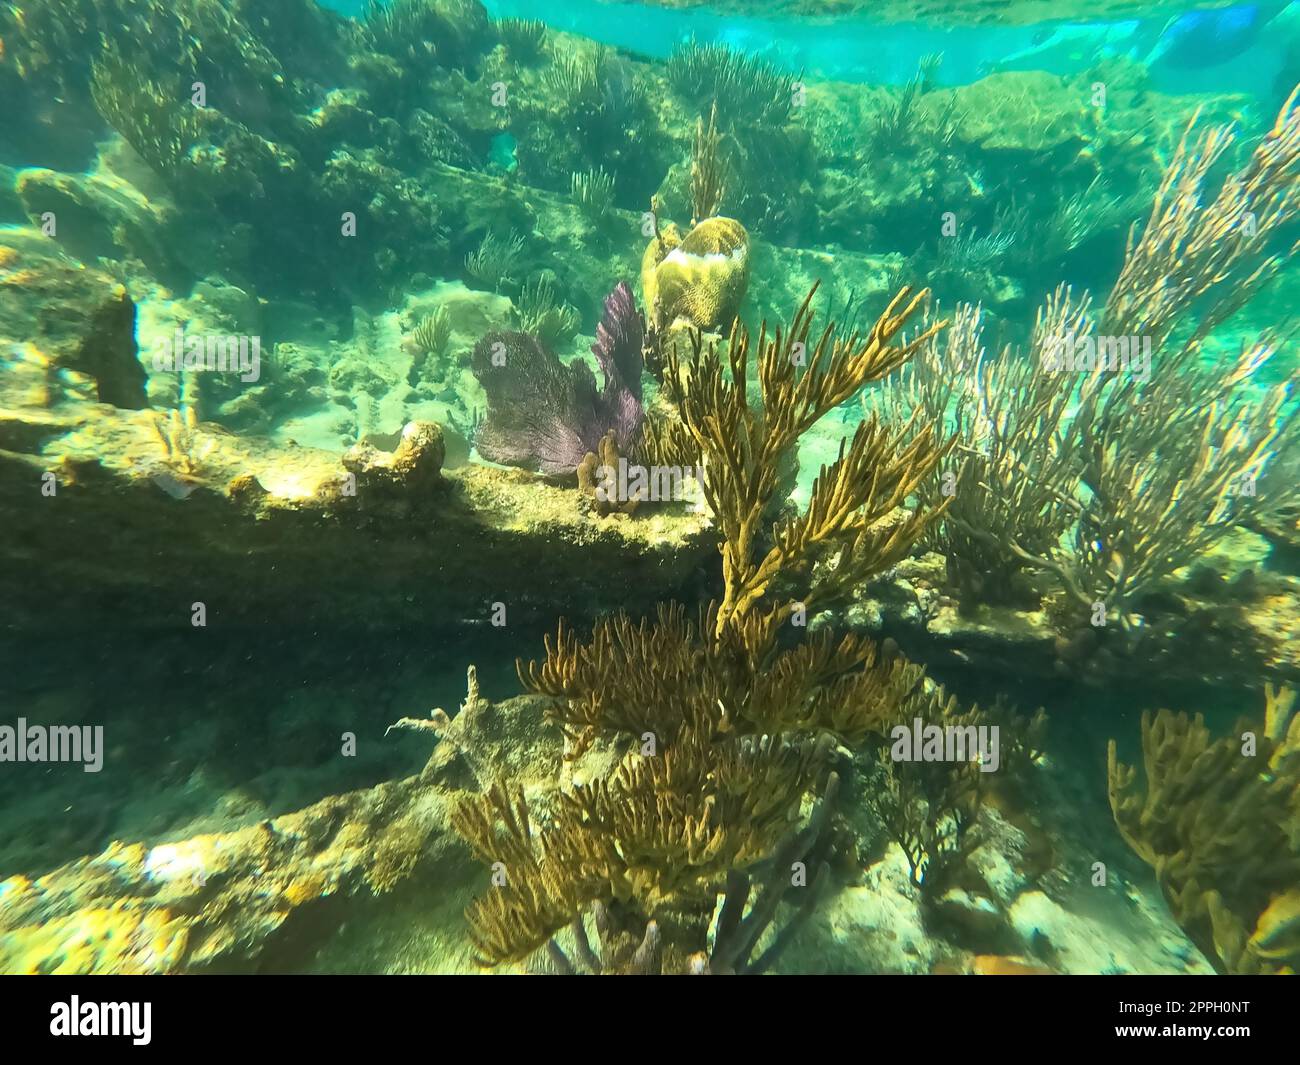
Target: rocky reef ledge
139,515
376,880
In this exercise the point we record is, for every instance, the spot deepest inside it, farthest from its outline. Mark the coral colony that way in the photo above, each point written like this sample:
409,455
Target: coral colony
852,432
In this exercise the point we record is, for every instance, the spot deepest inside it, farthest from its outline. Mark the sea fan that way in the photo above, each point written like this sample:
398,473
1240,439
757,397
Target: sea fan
546,415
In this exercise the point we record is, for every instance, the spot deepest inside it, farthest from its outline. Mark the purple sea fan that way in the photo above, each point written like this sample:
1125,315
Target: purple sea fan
545,415
619,339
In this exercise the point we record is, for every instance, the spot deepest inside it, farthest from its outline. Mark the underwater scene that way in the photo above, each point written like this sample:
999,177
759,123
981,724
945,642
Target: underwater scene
792,487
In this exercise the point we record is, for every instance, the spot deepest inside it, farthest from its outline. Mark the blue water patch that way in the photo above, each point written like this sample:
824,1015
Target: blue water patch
1199,51
503,153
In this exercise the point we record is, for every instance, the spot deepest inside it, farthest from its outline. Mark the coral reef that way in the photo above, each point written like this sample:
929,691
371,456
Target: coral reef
991,499
723,730
850,499
414,212
597,475
1194,247
447,32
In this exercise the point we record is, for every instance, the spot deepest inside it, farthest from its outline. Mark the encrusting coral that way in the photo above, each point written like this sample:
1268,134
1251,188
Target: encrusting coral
722,730
1219,823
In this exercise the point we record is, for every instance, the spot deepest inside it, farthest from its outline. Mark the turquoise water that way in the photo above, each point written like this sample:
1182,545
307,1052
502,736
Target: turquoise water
860,49
485,486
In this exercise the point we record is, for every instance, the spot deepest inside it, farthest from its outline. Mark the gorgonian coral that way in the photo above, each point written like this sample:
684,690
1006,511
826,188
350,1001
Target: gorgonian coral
547,415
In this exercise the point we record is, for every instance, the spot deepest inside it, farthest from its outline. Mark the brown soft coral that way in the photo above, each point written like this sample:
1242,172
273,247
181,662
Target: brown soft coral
1219,823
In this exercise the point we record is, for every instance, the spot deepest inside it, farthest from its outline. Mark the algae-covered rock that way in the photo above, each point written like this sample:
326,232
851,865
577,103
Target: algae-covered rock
96,216
404,544
414,465
217,898
252,896
75,318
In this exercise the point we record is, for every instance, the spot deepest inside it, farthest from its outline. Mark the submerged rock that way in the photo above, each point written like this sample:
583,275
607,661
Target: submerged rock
280,531
74,318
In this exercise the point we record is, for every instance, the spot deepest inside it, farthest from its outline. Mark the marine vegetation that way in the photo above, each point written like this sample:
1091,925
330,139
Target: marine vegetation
524,38
431,336
593,191
708,180
547,415
745,89
591,111
494,262
449,32
539,312
724,723
907,120
1110,454
1219,823
183,444
978,380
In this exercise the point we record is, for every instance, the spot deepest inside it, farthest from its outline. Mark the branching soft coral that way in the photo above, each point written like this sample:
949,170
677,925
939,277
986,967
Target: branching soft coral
1219,822
744,448
658,829
670,674
724,730
1113,474
1195,249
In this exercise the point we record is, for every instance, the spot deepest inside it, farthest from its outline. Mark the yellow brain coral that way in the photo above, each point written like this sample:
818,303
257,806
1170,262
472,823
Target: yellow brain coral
700,279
